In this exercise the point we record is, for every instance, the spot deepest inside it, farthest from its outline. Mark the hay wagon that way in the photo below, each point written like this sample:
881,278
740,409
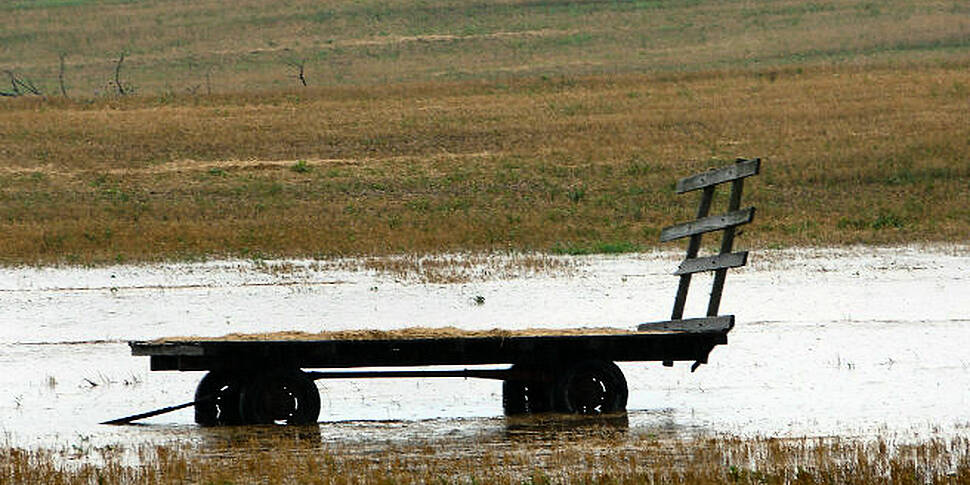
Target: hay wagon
257,381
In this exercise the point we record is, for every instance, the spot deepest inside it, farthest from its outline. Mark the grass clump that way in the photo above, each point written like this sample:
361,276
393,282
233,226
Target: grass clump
598,247
597,456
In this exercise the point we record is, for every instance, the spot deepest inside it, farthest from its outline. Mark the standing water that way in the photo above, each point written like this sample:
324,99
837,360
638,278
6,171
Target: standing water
845,342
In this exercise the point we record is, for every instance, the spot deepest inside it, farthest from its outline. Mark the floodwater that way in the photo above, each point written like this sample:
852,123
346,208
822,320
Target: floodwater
848,342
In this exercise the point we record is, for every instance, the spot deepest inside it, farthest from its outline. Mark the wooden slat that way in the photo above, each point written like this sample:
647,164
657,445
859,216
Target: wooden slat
692,248
741,169
721,261
707,224
147,348
692,325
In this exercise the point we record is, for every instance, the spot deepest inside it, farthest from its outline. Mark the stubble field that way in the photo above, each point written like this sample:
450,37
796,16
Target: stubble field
874,155
161,130
560,127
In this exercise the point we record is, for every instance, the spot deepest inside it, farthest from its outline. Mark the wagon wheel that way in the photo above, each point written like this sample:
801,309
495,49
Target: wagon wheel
217,399
282,397
591,387
526,396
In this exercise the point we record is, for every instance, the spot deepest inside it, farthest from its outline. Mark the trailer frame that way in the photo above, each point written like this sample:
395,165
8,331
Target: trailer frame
264,381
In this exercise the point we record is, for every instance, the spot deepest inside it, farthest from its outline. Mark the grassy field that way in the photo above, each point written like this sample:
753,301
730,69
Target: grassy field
153,130
202,47
604,456
462,126
571,164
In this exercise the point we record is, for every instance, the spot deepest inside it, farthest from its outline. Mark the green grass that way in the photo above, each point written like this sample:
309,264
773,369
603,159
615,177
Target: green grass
58,4
178,47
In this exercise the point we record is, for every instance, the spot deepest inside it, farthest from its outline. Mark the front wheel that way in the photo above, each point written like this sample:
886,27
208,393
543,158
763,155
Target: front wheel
217,399
591,387
529,395
281,397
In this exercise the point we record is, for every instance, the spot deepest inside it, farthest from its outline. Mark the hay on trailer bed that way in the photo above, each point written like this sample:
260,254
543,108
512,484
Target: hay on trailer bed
408,333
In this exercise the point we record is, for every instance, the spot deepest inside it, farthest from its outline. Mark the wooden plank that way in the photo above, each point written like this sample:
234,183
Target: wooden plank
707,224
741,169
657,345
472,373
722,323
711,263
144,348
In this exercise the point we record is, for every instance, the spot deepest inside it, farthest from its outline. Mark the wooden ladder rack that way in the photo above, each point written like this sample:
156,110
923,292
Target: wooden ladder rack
728,222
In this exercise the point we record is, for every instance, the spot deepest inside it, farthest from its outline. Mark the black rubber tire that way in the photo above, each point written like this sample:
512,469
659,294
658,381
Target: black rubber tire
526,396
591,387
217,399
281,397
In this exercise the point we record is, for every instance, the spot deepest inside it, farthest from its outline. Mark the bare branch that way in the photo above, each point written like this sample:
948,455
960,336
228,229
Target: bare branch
60,74
300,65
28,86
118,84
13,85
208,81
20,86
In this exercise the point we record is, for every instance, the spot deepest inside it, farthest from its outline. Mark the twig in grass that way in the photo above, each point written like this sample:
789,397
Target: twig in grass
118,84
60,73
15,91
20,86
300,65
208,81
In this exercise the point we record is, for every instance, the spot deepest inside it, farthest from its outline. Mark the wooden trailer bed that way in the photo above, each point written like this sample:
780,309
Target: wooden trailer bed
249,351
260,378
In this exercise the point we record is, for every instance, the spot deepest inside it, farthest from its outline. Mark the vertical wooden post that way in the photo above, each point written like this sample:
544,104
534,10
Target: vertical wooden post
692,248
727,244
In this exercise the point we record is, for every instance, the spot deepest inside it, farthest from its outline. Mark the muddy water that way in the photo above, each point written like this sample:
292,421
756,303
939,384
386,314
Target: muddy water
829,342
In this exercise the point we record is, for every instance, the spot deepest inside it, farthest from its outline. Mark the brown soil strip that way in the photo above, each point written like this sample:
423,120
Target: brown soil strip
390,40
408,39
189,165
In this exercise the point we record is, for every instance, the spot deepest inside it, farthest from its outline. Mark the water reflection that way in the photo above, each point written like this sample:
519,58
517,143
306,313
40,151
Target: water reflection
373,436
228,439
543,427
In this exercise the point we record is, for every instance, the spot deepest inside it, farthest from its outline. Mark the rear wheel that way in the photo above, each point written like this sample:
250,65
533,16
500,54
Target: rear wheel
282,397
591,387
217,399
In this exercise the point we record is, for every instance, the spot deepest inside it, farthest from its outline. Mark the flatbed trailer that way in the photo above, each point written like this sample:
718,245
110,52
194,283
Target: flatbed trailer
265,381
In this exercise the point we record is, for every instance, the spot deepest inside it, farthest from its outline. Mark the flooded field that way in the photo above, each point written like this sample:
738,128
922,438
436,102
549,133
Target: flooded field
848,342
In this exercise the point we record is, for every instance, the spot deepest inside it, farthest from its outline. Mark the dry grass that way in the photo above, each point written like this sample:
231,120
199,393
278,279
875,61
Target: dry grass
410,333
456,126
420,268
590,454
575,165
460,268
204,47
